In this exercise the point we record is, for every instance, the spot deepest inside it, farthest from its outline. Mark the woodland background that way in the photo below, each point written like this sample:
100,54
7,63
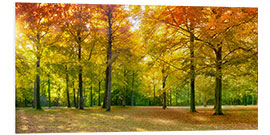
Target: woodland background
85,55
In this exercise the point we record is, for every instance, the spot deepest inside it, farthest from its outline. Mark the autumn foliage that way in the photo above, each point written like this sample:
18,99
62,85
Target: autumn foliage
83,55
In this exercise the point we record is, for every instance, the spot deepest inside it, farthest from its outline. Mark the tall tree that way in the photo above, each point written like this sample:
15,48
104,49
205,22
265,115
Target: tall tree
37,19
221,27
77,25
117,31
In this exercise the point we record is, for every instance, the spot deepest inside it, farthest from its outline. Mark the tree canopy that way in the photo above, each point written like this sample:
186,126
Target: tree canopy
83,55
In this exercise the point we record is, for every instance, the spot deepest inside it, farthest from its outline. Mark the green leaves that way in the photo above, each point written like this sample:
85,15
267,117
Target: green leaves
150,41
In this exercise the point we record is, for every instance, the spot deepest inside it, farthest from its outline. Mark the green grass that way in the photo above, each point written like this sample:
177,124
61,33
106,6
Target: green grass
153,118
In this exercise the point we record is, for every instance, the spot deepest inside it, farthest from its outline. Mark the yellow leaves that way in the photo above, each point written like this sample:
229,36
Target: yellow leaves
62,4
24,128
26,25
41,127
70,12
44,20
61,127
43,4
140,129
136,118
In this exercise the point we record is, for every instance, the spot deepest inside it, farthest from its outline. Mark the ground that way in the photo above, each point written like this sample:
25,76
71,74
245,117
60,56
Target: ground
140,118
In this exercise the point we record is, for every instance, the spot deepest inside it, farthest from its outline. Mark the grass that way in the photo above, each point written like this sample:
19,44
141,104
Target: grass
148,118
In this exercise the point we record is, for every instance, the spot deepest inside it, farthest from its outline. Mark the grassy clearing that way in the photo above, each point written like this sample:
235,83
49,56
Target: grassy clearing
151,118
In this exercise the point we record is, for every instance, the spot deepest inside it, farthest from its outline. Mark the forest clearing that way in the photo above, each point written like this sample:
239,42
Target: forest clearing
140,118
106,68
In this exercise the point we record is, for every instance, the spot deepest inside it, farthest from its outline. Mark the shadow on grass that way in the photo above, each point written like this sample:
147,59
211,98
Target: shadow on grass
119,119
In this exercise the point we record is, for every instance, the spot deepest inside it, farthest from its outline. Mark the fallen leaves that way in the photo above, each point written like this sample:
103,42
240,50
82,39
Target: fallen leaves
134,119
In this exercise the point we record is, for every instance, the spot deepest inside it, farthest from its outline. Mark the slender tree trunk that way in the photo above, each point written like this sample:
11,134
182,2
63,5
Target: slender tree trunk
80,74
188,99
125,88
176,97
91,96
84,97
204,101
154,94
164,92
109,57
34,101
38,106
192,75
245,100
106,90
77,105
170,97
124,97
25,102
218,109
132,98
81,89
67,88
49,93
74,95
164,100
99,93
132,91
252,100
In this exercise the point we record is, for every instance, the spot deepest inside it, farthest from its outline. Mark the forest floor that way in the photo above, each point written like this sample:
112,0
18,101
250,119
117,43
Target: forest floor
140,118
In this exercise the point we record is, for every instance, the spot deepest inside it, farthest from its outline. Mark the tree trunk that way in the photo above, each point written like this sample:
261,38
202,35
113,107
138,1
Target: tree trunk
245,100
215,105
164,92
188,98
164,100
109,56
34,101
106,90
170,97
176,98
218,92
94,101
192,74
99,93
132,91
204,101
84,97
74,96
67,89
49,93
25,102
154,94
77,105
124,97
91,96
252,100
80,74
132,98
38,106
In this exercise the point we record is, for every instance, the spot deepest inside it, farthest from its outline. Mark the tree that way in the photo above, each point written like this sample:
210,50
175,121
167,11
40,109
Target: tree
37,19
183,20
117,28
222,24
77,26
